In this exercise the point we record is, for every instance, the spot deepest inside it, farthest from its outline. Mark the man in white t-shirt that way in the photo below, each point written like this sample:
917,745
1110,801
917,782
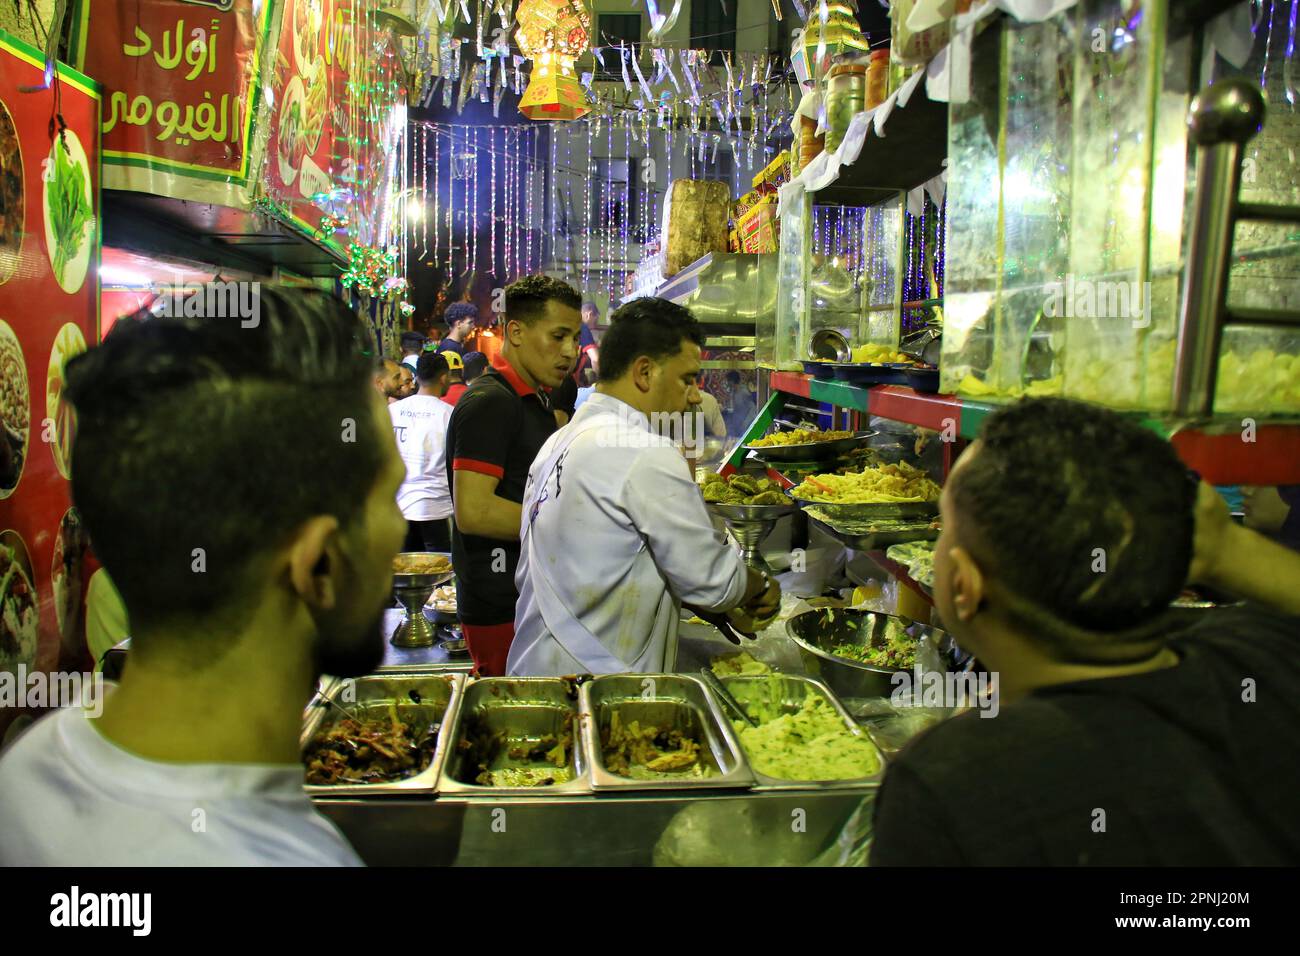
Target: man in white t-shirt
420,427
615,534
236,607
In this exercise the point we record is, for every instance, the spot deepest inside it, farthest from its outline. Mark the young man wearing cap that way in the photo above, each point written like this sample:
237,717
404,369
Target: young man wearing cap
455,377
420,427
412,346
496,430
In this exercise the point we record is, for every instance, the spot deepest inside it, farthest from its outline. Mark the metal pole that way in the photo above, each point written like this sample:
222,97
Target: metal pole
1223,118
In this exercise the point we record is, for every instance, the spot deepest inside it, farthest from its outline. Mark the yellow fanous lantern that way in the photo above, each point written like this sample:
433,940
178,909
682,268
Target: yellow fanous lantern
841,34
553,33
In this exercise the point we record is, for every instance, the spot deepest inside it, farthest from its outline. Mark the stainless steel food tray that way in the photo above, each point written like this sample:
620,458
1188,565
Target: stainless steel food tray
868,510
874,535
814,631
673,700
810,451
439,693
794,689
524,709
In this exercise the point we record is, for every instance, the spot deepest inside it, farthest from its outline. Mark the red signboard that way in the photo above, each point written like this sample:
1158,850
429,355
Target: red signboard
181,92
49,311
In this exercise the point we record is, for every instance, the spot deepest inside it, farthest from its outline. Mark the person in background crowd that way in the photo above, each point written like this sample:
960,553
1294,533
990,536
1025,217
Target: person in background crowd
437,332
496,429
476,364
407,388
461,317
712,424
586,389
1273,510
420,427
1119,738
388,379
588,350
615,534
741,407
283,574
455,377
412,346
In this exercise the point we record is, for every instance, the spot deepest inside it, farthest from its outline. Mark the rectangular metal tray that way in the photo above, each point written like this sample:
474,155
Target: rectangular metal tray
523,709
795,689
368,695
866,535
673,700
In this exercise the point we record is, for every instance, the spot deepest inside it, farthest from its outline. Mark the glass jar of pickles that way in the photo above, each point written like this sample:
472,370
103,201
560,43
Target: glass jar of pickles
846,96
877,86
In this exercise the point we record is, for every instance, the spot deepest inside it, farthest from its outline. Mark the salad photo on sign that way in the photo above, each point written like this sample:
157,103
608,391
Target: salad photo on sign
15,414
69,211
67,343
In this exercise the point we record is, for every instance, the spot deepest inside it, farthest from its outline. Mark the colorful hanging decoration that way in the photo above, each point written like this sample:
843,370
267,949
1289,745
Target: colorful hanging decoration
553,34
330,224
369,270
406,309
832,30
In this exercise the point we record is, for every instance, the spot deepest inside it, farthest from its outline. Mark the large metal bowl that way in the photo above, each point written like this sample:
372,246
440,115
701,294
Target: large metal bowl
750,512
810,451
870,510
816,630
431,581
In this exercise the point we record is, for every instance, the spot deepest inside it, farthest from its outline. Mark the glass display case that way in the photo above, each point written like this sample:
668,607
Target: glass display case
840,271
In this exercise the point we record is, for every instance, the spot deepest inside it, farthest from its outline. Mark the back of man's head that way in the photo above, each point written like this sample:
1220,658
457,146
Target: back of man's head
1078,512
412,342
430,367
201,445
652,327
475,365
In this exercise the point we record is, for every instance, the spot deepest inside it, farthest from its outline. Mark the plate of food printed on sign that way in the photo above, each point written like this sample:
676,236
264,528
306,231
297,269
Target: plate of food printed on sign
15,410
19,614
67,571
69,211
67,344
13,204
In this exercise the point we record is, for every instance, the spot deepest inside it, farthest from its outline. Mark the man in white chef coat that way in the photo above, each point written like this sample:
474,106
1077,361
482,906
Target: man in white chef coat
615,533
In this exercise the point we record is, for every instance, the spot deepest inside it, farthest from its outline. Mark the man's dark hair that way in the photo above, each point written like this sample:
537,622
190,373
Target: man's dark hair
458,312
1058,486
475,365
526,298
430,366
590,307
201,445
412,342
647,326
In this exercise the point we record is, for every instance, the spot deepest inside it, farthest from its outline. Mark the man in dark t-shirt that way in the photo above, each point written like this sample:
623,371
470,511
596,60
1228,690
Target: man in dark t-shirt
496,429
1122,736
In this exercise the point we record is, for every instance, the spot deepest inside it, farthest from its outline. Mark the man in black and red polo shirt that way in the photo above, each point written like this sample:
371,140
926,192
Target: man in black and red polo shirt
496,429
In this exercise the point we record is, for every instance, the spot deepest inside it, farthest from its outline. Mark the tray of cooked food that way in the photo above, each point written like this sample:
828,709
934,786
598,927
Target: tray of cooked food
858,652
884,491
422,568
804,737
744,496
442,602
874,534
918,558
658,732
379,735
516,735
805,444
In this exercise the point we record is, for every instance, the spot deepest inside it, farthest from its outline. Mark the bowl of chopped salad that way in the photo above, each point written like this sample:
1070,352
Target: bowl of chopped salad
857,652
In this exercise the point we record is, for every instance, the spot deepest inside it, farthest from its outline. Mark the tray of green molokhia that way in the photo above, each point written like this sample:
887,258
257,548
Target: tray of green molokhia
804,738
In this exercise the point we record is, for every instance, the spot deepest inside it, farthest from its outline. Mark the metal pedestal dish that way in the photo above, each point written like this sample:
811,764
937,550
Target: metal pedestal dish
412,591
749,525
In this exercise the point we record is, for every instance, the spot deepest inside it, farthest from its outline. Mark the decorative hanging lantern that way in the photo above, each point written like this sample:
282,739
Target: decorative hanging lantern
840,34
553,33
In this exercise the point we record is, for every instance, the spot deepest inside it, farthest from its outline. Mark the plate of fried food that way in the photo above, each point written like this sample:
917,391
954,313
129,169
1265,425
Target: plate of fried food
886,490
420,568
744,496
804,444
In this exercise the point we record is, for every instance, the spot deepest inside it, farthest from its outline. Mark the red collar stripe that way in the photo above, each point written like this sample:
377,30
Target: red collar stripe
508,372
